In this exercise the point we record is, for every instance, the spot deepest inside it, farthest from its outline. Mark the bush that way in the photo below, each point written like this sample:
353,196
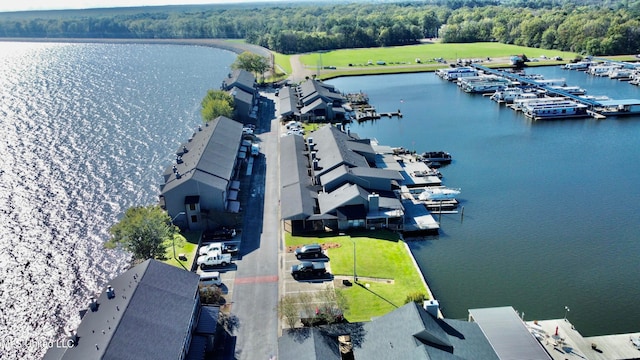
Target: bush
416,297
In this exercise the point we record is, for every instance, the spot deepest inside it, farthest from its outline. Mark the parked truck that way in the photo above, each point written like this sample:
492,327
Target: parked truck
213,258
308,269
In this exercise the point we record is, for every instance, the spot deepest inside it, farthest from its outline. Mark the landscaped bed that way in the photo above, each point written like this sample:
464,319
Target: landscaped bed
384,268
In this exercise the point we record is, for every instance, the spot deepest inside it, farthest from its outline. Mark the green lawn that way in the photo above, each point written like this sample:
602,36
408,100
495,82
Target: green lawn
407,55
186,243
283,62
380,256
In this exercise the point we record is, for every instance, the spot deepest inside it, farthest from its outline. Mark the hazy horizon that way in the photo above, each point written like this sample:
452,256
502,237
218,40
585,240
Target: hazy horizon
37,5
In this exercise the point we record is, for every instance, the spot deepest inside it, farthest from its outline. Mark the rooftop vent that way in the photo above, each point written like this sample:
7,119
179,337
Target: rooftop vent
199,127
93,305
175,169
178,175
184,149
110,292
179,159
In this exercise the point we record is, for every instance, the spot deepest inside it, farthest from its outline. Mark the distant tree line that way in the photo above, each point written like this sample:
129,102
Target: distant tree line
596,27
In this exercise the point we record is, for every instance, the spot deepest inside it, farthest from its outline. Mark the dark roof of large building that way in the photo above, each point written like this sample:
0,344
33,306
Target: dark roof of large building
408,332
316,343
149,316
297,200
210,158
240,78
241,95
311,90
288,101
334,148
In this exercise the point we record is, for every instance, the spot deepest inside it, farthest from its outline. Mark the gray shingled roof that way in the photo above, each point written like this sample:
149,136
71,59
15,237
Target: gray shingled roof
149,316
242,79
242,95
409,332
288,101
211,155
348,194
333,150
296,196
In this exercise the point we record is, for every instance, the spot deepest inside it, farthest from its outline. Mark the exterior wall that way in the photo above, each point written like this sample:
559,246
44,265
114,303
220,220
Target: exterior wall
211,199
242,112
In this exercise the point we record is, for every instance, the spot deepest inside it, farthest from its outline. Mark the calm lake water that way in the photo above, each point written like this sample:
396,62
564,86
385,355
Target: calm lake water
87,132
551,209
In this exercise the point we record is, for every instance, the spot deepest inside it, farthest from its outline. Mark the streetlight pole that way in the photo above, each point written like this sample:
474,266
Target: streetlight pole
566,310
173,238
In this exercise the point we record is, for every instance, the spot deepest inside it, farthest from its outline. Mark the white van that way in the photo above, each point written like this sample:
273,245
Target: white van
210,278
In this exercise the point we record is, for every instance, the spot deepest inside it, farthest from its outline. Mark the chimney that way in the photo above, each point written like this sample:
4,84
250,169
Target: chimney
315,164
432,307
313,155
374,202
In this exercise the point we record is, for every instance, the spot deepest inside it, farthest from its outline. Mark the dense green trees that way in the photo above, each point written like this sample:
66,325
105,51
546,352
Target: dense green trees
589,26
216,103
252,63
143,231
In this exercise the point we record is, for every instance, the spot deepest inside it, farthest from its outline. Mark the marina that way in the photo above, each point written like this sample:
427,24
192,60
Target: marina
506,253
548,99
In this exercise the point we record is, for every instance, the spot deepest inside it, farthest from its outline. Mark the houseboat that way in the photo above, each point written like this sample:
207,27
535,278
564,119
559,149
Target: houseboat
602,69
453,74
556,111
573,90
551,82
484,84
580,66
507,95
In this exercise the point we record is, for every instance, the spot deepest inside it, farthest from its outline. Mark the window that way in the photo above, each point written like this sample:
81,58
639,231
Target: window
194,218
192,207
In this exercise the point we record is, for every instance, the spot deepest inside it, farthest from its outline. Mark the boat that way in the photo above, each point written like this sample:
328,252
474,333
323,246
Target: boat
438,193
453,74
484,84
573,90
551,82
580,65
602,69
436,156
554,111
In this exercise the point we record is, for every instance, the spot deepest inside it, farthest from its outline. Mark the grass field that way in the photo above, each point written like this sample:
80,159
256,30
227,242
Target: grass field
383,265
407,55
186,243
283,61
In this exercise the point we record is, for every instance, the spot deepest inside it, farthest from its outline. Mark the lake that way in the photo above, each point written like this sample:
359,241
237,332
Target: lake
551,208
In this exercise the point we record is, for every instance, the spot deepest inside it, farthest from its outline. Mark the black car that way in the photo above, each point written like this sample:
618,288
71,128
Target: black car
220,234
310,251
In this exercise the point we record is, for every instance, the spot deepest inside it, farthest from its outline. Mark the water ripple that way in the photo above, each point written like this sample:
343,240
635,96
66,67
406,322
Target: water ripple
87,130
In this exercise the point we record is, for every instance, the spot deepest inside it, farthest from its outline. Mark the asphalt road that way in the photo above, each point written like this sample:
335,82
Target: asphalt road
255,289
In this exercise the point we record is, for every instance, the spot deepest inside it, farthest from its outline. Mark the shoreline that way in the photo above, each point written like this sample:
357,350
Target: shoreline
235,47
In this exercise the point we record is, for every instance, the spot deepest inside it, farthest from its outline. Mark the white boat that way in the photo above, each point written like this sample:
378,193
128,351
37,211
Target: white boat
506,95
484,84
602,69
580,65
573,90
551,82
453,74
557,110
438,193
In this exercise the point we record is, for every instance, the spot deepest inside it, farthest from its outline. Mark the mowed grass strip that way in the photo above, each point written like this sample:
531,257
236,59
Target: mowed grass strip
186,243
383,265
407,55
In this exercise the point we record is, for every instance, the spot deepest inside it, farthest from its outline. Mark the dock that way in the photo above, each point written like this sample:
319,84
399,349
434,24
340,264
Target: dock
563,341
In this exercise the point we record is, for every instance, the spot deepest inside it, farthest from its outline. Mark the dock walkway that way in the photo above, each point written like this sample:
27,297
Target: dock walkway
570,344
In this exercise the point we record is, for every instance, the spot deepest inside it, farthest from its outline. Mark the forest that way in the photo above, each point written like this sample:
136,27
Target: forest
610,27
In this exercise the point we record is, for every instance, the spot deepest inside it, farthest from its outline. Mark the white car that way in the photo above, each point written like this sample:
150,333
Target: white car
205,249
